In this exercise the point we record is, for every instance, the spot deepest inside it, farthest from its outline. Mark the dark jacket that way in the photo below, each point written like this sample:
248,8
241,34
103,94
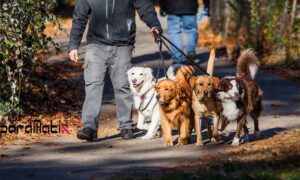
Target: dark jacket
111,22
179,7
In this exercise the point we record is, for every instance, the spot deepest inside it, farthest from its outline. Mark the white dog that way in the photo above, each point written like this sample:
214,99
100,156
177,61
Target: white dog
142,84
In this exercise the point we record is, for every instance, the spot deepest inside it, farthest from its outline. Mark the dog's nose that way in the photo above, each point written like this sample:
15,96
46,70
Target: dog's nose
158,97
206,92
134,80
236,94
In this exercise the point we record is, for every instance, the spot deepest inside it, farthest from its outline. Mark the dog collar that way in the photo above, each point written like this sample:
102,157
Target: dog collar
143,96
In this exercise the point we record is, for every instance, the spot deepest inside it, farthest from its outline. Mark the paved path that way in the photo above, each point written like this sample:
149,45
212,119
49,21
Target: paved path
67,157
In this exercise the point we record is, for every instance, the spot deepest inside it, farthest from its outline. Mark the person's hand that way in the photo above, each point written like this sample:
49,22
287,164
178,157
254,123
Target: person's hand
156,32
73,54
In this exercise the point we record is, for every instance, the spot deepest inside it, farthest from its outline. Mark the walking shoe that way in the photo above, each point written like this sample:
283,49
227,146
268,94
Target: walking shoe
127,134
192,55
87,134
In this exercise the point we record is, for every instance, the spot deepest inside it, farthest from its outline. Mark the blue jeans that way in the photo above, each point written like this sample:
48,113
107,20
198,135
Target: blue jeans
177,24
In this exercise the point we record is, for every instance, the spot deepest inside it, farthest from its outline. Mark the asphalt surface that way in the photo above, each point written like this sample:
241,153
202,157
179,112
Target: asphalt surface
69,158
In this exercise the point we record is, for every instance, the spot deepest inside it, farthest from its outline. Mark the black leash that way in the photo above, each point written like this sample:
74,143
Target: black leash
160,65
162,40
159,41
140,106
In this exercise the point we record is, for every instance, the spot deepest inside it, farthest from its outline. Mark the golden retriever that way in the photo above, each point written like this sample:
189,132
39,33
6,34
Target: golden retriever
204,103
174,98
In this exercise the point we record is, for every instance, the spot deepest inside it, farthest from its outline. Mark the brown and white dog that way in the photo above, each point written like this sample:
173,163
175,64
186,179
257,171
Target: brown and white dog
241,95
204,103
174,98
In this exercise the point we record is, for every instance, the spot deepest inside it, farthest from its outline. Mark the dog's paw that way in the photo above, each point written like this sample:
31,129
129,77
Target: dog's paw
257,134
236,141
168,142
214,140
224,133
199,143
179,144
140,126
145,127
146,137
182,141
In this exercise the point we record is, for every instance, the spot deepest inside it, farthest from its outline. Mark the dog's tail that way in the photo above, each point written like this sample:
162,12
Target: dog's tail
171,72
210,64
247,64
185,72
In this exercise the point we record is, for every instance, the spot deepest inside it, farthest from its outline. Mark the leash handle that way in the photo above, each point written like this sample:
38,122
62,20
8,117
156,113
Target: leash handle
157,35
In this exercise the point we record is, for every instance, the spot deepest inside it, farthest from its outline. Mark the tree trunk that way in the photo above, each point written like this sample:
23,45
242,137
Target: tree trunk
217,15
290,31
280,34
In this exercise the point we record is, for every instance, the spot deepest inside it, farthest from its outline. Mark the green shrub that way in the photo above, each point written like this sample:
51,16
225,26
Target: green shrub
22,25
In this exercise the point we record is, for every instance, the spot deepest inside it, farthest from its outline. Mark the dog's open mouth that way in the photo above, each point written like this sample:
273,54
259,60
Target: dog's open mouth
135,85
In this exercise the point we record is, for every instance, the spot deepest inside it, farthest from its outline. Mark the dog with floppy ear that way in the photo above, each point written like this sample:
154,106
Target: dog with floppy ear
204,103
174,98
242,96
142,83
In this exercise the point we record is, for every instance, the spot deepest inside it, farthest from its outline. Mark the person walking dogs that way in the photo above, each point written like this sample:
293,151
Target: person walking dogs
181,17
110,41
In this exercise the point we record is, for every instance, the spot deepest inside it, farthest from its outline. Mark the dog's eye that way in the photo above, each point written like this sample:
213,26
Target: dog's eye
201,84
132,73
141,74
209,84
167,89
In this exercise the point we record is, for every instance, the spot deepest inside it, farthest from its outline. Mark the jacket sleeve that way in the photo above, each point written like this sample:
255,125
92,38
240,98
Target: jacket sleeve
147,12
80,18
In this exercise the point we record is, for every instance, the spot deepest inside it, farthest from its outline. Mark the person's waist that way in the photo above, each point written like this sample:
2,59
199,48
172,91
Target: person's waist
181,12
110,42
